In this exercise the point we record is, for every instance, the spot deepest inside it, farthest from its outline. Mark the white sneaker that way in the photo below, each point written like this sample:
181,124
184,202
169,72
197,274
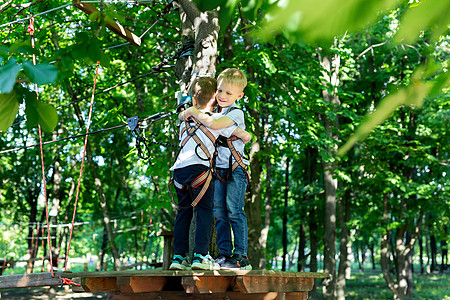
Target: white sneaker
206,262
179,263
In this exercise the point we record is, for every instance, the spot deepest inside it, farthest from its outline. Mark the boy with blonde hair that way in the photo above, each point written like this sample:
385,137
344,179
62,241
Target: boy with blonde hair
231,171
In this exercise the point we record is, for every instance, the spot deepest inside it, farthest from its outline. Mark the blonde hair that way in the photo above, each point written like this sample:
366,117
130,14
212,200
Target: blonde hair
203,89
233,76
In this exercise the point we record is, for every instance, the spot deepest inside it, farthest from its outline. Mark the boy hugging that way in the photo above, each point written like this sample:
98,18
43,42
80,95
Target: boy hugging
193,179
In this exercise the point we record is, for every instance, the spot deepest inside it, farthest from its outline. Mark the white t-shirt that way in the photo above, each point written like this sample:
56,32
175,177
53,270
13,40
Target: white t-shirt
224,153
188,155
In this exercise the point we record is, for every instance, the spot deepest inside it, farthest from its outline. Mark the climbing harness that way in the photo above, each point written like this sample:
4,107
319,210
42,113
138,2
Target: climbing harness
205,177
238,157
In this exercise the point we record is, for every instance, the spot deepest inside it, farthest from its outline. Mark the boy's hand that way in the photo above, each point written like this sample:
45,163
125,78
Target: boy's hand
190,112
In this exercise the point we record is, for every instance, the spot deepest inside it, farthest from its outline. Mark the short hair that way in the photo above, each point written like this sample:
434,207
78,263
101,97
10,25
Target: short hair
233,76
203,89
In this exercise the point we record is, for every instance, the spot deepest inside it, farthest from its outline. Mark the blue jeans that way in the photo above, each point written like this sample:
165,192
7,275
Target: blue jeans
204,209
229,212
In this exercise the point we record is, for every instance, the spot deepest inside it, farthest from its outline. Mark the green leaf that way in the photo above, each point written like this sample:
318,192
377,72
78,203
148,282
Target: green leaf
41,113
8,74
423,16
204,5
226,13
94,51
250,8
40,74
94,16
413,95
9,107
320,23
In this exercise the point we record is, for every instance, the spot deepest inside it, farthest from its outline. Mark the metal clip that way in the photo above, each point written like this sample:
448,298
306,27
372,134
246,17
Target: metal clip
132,123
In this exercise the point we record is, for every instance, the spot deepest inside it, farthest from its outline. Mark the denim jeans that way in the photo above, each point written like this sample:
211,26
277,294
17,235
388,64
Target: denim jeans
229,212
204,209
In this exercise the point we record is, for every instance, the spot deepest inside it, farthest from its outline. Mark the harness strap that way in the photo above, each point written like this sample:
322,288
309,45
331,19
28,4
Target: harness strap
238,157
205,177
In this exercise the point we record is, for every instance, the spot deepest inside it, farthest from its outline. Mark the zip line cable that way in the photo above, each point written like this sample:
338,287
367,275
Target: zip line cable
61,7
63,139
108,89
36,15
115,86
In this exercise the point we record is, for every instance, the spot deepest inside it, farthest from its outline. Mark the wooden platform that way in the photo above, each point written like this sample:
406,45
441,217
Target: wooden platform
189,284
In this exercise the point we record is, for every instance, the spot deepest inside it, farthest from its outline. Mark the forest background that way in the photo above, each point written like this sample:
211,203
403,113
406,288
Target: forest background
348,105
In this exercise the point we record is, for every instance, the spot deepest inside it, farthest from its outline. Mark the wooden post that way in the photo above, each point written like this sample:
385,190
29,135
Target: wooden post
168,248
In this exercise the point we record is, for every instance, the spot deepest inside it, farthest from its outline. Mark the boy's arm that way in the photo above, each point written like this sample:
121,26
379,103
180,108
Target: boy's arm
206,120
242,134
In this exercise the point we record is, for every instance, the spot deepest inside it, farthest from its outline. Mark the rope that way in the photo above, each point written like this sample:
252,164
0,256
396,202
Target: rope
82,163
30,30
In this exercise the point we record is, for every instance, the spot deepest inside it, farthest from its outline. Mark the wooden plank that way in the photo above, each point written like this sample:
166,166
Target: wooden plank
261,284
159,272
296,296
139,284
99,284
177,295
207,284
115,27
75,288
31,280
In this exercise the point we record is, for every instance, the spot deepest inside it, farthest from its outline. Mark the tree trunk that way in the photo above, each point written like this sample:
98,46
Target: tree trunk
203,29
422,268
286,194
433,250
267,212
344,261
301,247
444,253
372,255
330,67
102,252
401,287
253,197
311,157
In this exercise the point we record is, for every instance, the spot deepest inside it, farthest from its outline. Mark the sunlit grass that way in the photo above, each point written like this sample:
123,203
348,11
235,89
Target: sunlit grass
371,285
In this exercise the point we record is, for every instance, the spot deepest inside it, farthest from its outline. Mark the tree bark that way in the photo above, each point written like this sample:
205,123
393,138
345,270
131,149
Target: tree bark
344,261
311,156
286,195
330,66
433,250
267,210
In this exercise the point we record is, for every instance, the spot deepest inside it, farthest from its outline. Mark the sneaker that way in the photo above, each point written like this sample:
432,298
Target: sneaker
205,262
221,259
179,262
237,262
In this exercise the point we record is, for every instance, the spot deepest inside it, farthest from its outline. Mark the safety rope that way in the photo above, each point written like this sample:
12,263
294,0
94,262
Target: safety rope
82,164
30,30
